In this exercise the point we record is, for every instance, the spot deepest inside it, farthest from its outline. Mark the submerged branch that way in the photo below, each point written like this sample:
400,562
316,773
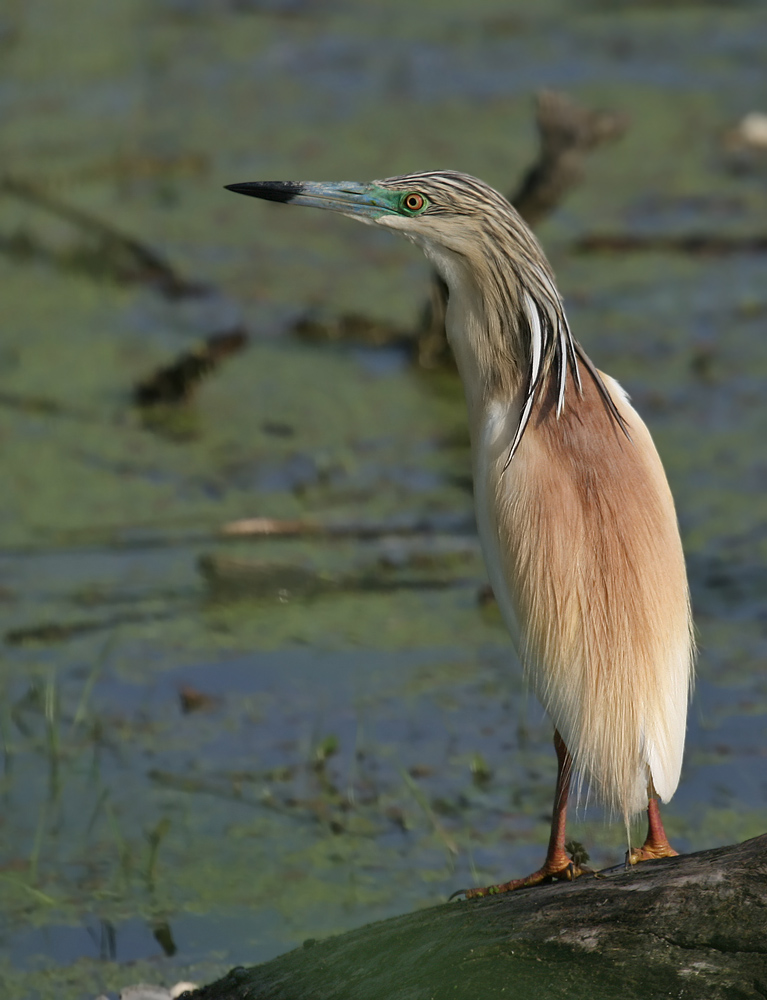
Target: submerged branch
102,249
174,383
702,244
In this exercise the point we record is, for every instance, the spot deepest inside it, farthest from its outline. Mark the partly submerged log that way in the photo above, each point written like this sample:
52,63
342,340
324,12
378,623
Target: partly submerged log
693,927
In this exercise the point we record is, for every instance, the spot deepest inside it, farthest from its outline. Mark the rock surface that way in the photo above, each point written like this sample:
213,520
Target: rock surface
690,927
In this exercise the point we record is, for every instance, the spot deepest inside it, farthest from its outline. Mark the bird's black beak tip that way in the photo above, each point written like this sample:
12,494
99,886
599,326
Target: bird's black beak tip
268,190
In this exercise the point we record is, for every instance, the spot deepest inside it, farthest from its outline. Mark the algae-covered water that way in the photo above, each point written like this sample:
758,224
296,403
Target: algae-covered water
205,765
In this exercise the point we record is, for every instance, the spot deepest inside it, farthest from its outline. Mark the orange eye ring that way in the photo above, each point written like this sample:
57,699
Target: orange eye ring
414,202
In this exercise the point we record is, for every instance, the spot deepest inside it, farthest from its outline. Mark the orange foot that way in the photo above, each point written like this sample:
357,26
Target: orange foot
549,873
650,850
656,845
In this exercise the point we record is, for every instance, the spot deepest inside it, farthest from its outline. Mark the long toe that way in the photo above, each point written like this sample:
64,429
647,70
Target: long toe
546,874
649,851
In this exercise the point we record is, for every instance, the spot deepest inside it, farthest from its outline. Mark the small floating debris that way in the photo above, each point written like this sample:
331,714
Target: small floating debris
193,700
745,145
751,131
147,991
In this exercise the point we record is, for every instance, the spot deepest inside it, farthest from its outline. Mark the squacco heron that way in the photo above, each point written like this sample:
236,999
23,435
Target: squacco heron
574,513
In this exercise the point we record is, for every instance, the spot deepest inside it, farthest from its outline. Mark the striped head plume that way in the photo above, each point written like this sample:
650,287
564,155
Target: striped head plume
457,218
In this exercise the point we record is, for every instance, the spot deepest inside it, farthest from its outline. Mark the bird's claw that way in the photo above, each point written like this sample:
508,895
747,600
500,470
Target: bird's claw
650,852
568,873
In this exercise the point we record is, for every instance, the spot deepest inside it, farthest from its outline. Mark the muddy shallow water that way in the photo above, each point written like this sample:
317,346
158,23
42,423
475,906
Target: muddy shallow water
203,768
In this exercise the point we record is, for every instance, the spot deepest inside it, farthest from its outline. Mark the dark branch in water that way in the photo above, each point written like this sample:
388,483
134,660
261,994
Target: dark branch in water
175,382
567,132
696,244
102,249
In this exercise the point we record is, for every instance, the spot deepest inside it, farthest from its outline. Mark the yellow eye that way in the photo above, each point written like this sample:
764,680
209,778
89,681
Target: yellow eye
414,202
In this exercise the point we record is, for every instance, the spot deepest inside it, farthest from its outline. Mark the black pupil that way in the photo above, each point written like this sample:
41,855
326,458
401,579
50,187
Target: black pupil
413,201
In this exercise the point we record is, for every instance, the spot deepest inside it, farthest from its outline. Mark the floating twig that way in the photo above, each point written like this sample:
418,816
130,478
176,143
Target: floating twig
449,523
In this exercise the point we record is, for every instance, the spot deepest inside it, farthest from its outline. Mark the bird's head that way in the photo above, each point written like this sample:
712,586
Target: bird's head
509,313
511,320
444,212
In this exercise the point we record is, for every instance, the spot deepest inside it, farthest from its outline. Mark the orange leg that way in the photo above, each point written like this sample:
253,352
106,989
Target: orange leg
558,864
656,844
